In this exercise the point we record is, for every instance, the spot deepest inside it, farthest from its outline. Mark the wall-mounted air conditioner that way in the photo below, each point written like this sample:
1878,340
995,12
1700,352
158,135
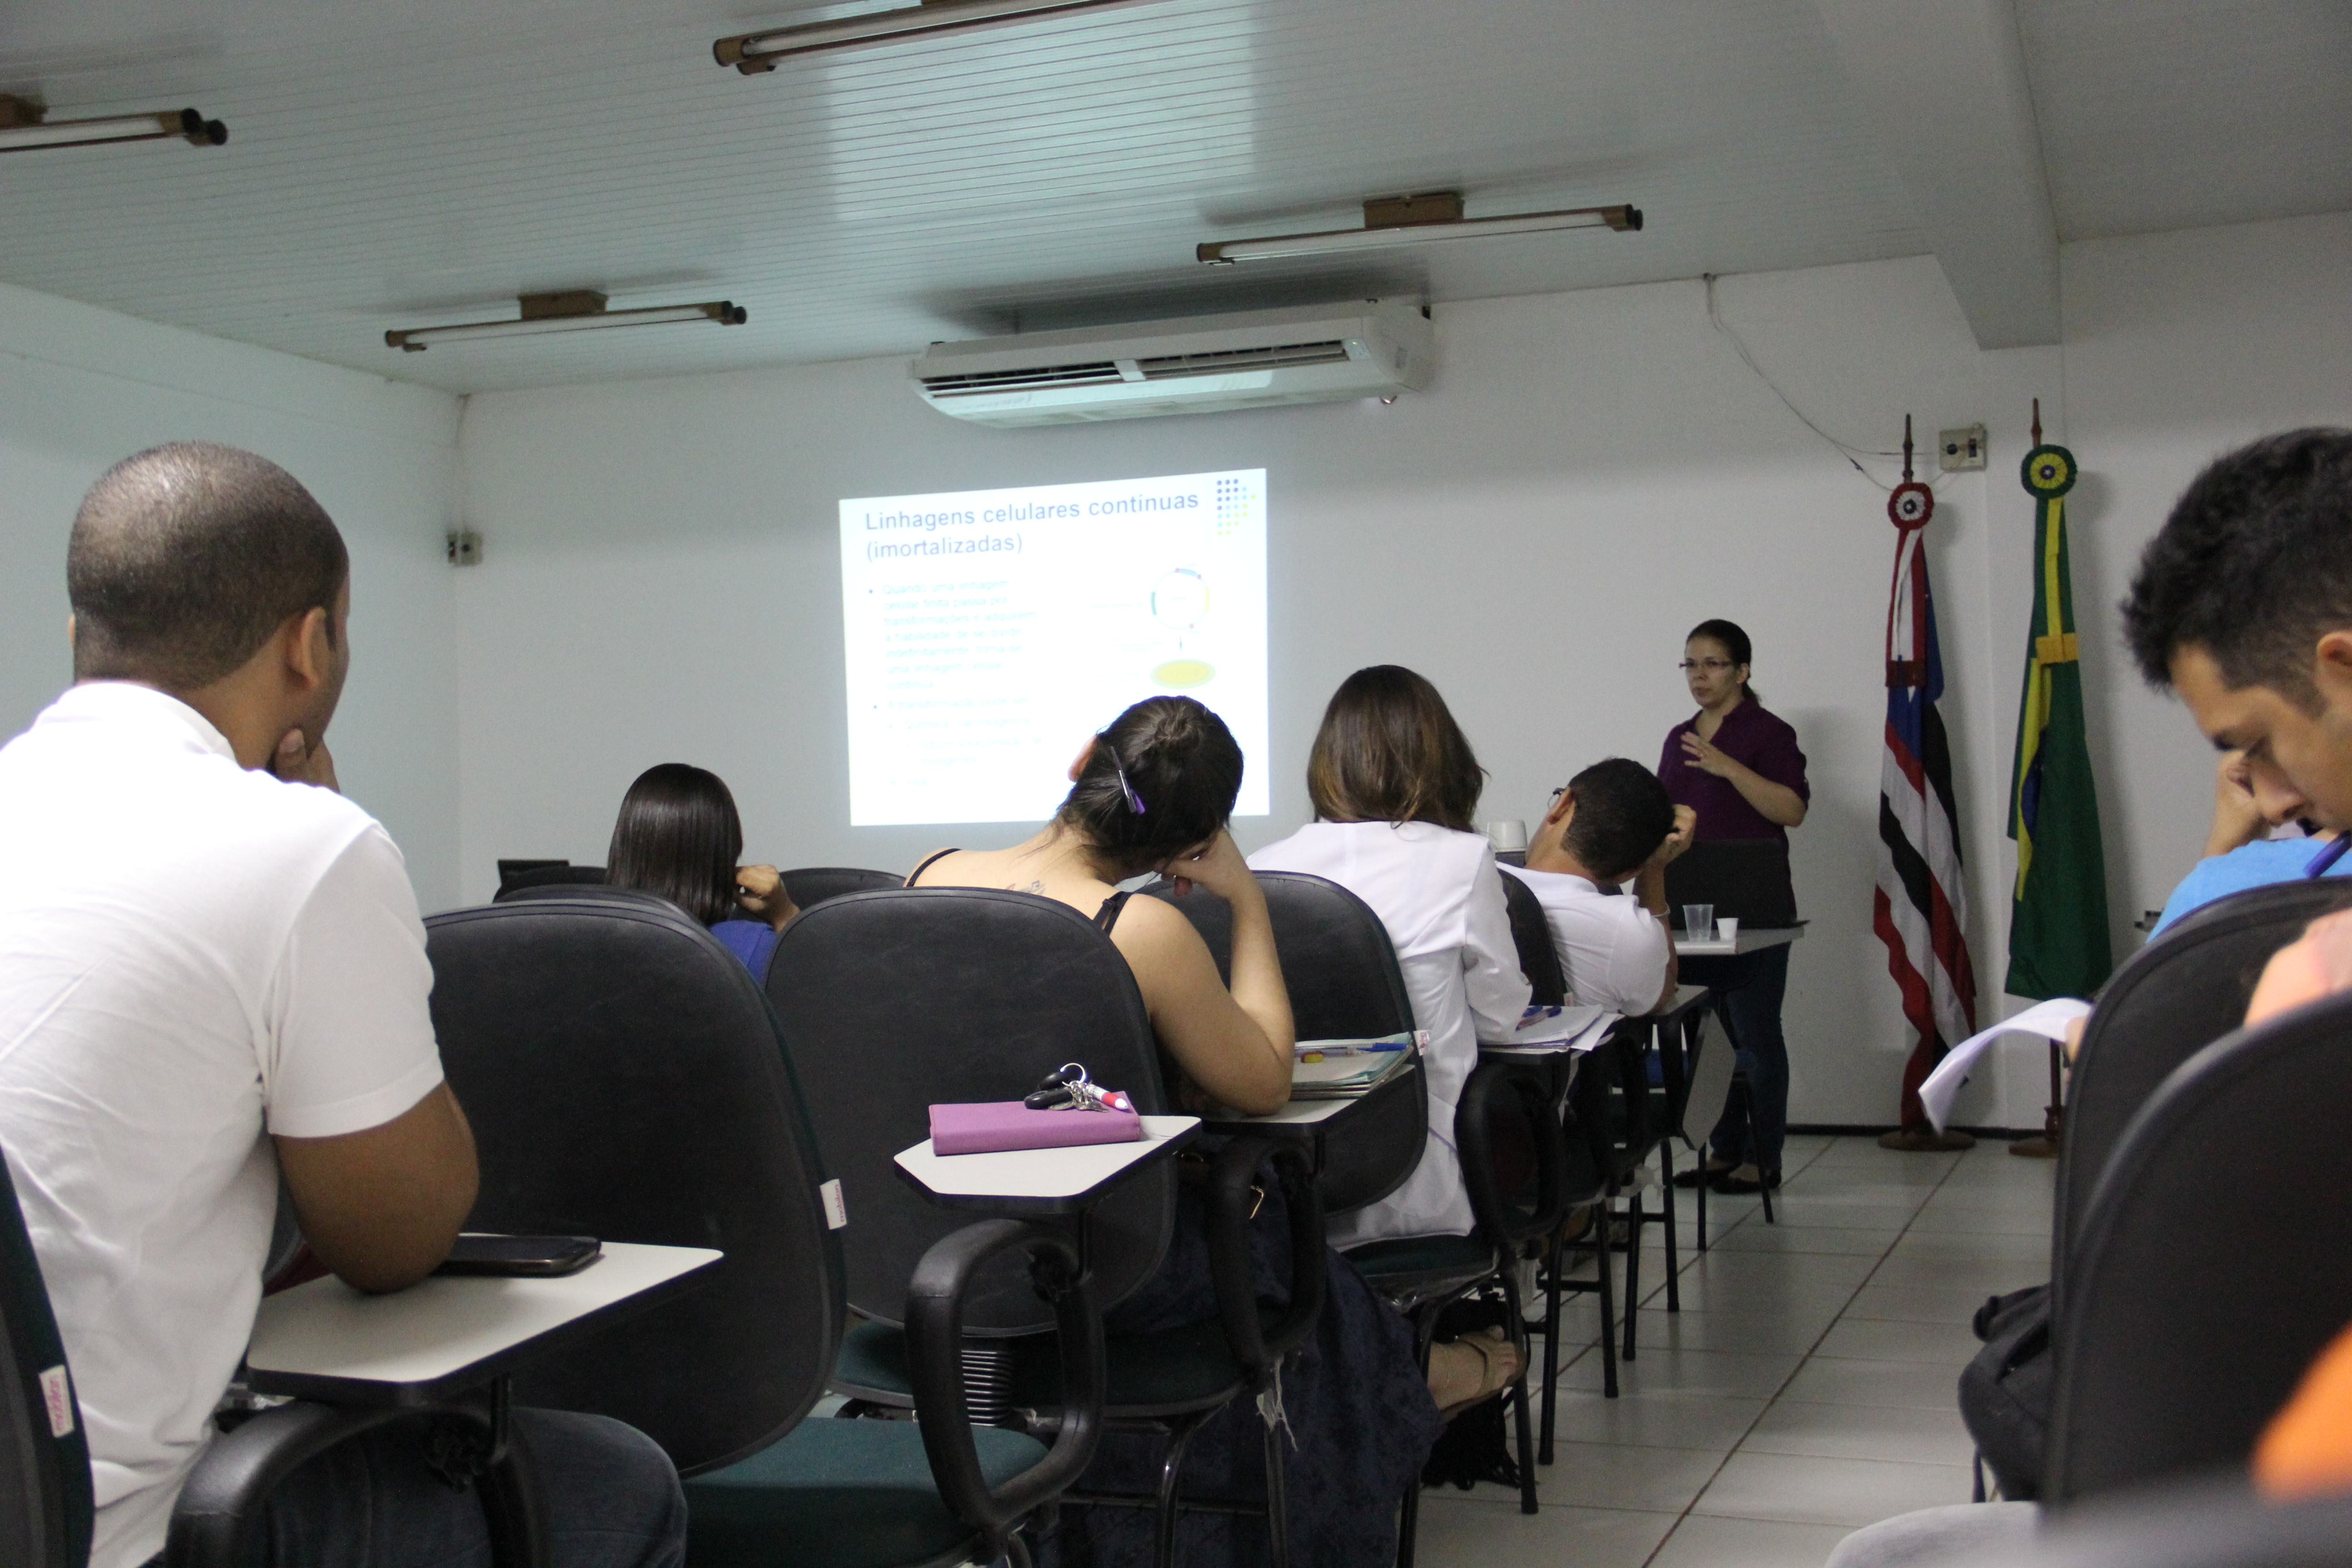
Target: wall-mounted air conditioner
1201,364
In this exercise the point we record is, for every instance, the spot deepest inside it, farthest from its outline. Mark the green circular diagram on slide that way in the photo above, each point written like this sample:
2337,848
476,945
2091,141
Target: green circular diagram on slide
1180,601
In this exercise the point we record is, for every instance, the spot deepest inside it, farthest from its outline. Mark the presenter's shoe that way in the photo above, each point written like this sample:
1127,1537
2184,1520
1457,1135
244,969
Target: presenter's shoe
1746,1179
1697,1174
1925,1140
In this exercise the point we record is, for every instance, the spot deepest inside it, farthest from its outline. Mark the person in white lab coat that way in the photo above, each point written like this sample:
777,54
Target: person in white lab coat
1394,782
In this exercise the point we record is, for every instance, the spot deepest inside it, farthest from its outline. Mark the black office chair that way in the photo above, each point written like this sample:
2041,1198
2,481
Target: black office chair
1340,970
596,893
894,1000
624,1079
1539,955
2189,1314
812,885
2170,1000
551,874
45,1506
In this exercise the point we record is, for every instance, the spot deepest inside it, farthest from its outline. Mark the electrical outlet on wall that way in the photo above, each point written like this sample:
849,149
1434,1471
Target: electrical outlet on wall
465,547
1962,449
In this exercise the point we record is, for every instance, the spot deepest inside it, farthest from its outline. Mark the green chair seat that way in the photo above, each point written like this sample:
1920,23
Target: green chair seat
839,1494
1176,1369
1421,1258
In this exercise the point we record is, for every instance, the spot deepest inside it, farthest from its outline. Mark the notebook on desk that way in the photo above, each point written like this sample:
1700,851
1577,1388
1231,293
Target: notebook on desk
1340,1069
1747,878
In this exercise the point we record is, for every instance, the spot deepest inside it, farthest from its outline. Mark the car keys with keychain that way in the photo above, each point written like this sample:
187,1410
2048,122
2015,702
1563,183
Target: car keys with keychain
1067,1087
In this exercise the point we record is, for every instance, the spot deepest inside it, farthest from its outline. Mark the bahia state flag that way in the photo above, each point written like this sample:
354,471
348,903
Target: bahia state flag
1920,908
2058,924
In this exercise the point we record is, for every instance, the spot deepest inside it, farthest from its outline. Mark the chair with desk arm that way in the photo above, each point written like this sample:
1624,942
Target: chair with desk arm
625,1079
2157,1376
892,1001
812,885
1340,970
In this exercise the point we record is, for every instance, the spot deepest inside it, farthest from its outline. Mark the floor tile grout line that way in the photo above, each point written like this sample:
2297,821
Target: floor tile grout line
1804,1360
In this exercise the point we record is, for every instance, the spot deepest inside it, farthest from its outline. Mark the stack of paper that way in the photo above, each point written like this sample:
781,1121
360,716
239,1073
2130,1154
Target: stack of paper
2048,1019
1337,1070
1545,1031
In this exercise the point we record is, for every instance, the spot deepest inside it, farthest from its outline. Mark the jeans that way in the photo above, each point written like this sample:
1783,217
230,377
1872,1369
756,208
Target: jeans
613,1502
1747,997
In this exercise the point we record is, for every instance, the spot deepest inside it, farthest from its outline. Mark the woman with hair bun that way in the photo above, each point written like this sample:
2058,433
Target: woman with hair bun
1153,793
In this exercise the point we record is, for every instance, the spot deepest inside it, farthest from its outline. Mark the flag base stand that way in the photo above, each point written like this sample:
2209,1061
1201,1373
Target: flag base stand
1925,1140
2054,1116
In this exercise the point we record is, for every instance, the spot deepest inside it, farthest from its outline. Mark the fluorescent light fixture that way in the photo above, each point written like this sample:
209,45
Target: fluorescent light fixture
753,53
1391,221
573,310
24,127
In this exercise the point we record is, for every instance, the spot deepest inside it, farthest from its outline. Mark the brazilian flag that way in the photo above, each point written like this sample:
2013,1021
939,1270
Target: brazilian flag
2058,924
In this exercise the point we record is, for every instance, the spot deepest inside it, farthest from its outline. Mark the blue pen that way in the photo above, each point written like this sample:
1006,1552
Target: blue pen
2329,856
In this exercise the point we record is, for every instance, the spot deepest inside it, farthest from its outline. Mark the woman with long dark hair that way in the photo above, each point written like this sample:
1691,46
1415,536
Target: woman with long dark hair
1741,768
1153,793
679,837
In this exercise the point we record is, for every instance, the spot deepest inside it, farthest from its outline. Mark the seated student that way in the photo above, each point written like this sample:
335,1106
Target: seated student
679,837
212,973
1393,783
1153,793
2238,852
1610,822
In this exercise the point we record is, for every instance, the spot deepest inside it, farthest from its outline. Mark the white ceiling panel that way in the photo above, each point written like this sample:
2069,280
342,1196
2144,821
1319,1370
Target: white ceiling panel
409,165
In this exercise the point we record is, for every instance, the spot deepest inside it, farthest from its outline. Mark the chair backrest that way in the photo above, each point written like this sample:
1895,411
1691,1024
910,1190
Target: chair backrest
558,874
814,884
1341,969
583,892
624,1080
892,1002
2170,1000
1531,935
2210,1270
45,1491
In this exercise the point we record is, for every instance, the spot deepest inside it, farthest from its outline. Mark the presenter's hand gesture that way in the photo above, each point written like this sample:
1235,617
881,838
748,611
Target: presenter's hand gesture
1675,842
1217,866
761,890
1708,758
297,762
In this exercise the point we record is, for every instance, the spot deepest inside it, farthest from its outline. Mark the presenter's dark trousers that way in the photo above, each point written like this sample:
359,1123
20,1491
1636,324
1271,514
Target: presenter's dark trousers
613,1502
1747,997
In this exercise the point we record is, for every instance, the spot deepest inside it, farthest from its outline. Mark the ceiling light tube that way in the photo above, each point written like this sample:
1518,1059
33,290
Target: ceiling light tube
1225,253
577,311
24,127
753,53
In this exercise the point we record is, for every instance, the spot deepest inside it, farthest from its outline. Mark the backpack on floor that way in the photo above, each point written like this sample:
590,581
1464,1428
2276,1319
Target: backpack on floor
2005,1390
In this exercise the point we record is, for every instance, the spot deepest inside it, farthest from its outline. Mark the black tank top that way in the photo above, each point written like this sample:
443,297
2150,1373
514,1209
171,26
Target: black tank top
1105,917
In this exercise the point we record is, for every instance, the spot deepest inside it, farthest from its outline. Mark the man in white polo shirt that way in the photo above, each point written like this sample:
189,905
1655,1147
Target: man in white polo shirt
212,971
1613,821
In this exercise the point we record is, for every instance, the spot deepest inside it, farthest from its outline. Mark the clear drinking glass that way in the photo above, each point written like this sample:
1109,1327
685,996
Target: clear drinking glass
1698,923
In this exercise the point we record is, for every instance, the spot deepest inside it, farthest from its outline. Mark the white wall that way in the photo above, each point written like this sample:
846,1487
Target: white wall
1593,473
81,388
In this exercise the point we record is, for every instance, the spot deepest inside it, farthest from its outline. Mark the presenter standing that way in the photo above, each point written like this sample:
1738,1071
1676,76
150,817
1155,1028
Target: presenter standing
1740,768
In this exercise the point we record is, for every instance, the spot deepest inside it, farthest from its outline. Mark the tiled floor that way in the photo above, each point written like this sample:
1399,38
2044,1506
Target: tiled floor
1805,1388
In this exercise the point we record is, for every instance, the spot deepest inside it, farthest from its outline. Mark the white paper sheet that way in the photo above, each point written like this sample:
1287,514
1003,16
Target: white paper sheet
2049,1020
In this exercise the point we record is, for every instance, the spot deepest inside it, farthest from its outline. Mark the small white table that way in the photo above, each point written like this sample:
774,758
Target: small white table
328,1341
1750,940
1040,1181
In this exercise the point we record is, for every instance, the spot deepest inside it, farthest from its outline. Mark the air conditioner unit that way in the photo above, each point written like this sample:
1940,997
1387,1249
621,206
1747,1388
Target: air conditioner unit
1203,364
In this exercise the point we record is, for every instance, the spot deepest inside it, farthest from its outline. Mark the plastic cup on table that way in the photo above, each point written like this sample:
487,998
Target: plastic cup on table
1698,923
1507,835
1726,928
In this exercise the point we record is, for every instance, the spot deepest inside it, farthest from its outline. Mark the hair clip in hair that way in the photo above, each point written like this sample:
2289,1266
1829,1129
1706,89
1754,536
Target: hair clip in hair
1134,801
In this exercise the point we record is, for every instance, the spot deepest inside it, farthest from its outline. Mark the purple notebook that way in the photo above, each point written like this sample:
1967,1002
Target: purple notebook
995,1126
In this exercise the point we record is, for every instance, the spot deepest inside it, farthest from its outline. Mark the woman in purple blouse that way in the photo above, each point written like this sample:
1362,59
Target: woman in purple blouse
1740,769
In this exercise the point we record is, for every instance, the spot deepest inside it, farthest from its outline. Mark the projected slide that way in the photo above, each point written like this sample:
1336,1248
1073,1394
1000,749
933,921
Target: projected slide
988,632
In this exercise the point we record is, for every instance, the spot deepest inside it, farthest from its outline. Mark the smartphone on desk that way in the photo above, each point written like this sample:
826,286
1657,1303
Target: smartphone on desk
528,1257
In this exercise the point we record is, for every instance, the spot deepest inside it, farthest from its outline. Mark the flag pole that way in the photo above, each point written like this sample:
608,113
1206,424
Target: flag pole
2044,1144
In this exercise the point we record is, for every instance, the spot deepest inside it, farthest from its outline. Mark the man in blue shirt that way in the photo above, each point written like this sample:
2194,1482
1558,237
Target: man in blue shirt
2237,855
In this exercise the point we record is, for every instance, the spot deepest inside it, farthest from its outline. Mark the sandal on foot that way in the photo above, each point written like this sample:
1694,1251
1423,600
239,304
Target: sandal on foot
1486,1341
